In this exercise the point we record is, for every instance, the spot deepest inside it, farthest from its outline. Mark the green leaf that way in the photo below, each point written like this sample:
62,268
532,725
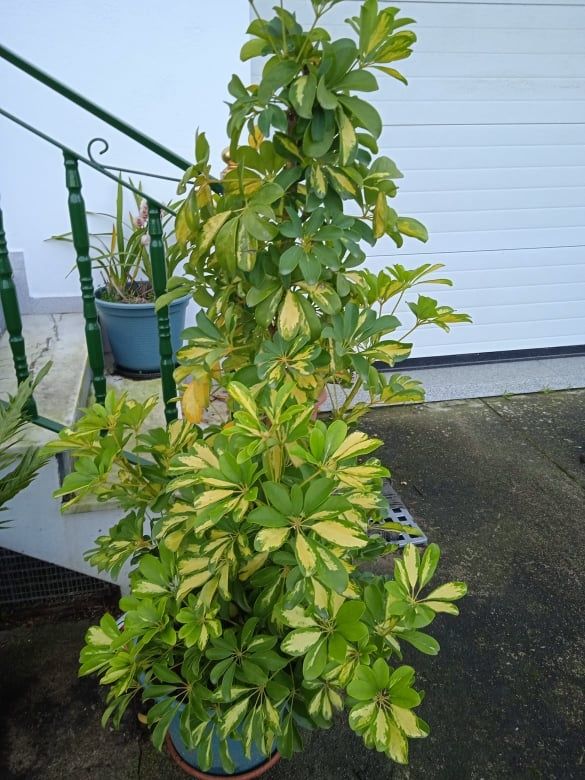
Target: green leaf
361,80
254,48
452,591
302,95
412,227
364,113
315,660
423,642
290,259
326,99
299,641
428,564
347,138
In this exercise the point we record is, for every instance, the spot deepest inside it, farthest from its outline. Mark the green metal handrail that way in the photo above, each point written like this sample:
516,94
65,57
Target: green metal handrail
80,233
88,105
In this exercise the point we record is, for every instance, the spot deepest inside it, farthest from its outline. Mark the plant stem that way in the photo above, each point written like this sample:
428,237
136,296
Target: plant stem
350,396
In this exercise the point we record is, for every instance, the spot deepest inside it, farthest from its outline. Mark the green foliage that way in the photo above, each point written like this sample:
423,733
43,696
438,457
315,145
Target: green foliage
275,260
18,467
252,615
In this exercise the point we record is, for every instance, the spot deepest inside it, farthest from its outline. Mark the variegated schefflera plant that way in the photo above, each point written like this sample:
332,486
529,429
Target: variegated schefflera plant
252,614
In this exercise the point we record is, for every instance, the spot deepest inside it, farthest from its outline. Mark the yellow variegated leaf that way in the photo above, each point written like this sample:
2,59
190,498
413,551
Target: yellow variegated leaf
381,727
410,559
357,443
208,591
302,95
269,539
200,458
255,139
211,497
305,556
289,317
361,716
381,32
243,397
316,703
397,745
336,533
233,716
191,565
300,640
380,215
342,182
347,138
407,721
209,231
174,539
335,699
451,591
442,606
318,181
297,618
144,586
320,595
192,582
97,636
246,248
252,566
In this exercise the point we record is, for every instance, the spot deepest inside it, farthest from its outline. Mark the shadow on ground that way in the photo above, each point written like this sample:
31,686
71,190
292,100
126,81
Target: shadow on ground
499,485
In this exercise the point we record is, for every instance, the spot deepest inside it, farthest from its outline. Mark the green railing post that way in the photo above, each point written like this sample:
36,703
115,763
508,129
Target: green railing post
159,283
78,217
11,310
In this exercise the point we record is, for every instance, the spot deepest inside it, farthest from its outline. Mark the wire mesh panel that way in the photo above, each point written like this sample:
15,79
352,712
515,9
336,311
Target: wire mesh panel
25,580
400,514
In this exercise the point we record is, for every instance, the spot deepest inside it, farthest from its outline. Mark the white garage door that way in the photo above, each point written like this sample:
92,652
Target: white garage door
490,135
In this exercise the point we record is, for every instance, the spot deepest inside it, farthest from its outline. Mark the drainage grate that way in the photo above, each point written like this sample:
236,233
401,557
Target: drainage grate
400,514
25,580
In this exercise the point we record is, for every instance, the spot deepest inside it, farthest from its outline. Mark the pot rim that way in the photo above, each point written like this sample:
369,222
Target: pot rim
250,774
136,306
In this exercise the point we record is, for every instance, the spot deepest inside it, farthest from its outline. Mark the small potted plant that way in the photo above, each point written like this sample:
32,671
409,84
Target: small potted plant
125,299
252,614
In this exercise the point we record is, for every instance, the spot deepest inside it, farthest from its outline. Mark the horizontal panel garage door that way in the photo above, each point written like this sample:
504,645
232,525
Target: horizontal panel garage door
490,135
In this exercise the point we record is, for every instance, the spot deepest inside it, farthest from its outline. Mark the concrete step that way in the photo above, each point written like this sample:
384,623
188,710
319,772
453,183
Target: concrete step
58,338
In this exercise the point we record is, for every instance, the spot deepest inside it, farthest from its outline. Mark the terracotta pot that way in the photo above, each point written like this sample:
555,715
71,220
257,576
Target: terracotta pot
251,774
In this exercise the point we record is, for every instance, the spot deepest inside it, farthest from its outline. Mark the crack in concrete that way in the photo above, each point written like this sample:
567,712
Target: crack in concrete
48,343
533,442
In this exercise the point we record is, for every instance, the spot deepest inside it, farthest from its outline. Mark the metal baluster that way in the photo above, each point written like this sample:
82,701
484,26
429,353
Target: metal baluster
78,217
11,311
159,283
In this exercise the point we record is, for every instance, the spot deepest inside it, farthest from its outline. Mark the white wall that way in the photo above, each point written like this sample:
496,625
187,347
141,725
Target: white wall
163,68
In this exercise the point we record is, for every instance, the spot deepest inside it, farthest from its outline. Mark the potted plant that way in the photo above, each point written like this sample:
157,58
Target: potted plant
252,614
125,299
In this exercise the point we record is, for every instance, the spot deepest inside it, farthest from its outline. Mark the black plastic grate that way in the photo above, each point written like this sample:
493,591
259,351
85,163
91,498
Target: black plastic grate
25,580
400,514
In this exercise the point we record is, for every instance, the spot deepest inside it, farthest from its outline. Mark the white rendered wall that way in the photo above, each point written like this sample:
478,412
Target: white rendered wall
163,68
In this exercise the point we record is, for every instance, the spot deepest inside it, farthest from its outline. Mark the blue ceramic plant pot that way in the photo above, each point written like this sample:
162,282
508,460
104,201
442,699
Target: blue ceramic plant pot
246,768
133,335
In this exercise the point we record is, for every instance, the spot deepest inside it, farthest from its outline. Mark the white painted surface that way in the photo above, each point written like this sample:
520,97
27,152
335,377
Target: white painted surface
164,69
490,135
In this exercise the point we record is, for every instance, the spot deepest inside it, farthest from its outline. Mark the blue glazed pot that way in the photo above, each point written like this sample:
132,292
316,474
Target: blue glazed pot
255,766
133,335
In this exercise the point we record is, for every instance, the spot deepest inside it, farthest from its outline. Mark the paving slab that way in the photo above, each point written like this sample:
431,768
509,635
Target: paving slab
553,423
504,698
